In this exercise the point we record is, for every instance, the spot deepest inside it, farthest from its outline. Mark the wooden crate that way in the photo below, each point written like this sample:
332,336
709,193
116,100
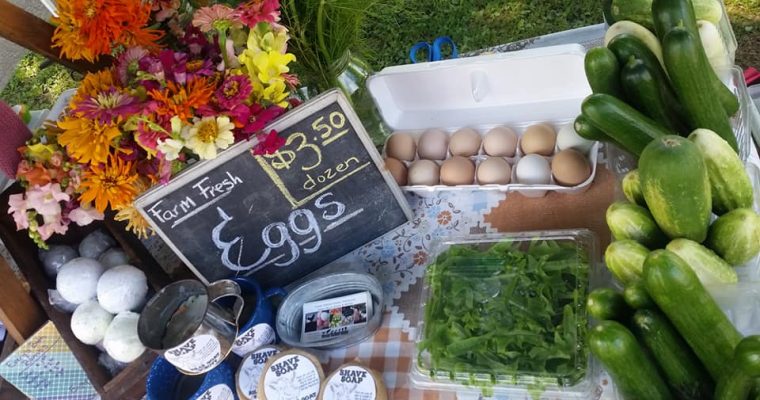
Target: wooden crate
128,384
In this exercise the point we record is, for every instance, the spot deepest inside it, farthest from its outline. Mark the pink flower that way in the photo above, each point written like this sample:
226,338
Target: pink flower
255,11
53,224
268,144
174,65
84,216
217,17
128,63
234,90
46,199
148,138
260,117
18,207
108,106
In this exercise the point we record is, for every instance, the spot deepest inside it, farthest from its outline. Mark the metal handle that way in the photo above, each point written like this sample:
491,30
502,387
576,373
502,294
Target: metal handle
225,288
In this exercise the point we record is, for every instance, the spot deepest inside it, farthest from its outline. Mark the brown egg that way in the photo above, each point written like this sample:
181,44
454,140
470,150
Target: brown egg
401,146
538,139
570,168
457,171
423,172
433,144
500,142
465,142
397,169
494,170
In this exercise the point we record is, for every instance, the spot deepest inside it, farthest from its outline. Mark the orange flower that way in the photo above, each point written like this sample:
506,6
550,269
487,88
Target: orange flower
134,34
86,140
93,83
111,184
180,100
135,221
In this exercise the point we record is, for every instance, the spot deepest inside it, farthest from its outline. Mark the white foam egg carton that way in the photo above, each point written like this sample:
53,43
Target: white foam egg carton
515,89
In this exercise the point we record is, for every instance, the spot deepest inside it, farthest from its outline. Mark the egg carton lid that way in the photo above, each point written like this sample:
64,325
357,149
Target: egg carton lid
541,84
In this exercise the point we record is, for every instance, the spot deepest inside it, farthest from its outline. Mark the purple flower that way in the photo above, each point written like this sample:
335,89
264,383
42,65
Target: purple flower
108,105
199,67
174,65
128,64
234,90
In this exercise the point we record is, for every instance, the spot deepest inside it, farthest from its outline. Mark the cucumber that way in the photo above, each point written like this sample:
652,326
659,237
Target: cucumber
607,304
636,296
629,221
628,127
646,94
586,130
676,188
640,11
675,288
634,29
603,71
715,49
632,188
670,14
710,268
730,185
737,384
690,76
625,259
607,12
681,368
634,373
735,236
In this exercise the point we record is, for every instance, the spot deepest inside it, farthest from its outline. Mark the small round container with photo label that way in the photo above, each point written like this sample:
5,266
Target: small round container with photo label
353,381
250,370
165,382
293,374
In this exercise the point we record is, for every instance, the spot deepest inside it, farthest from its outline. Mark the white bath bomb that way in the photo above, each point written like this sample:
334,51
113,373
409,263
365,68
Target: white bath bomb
113,257
77,280
121,340
94,244
122,288
90,322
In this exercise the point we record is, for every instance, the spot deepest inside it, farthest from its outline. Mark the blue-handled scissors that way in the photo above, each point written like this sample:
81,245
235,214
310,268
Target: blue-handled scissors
433,51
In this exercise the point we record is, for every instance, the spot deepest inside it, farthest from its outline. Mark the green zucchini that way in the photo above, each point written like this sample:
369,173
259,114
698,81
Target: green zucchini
675,288
625,259
642,33
676,188
710,268
737,384
603,71
636,296
607,304
690,76
626,47
585,129
640,11
632,188
628,127
730,185
646,94
670,14
634,373
607,12
629,221
682,370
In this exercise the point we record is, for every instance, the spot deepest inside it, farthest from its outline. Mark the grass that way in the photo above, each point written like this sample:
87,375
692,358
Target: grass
37,87
394,25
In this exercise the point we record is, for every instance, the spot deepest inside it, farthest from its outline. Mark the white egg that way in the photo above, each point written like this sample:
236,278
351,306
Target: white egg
77,280
533,170
90,322
121,340
567,138
122,288
113,257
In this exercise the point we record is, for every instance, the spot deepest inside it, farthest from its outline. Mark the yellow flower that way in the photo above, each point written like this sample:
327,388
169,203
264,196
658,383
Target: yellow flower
276,93
271,65
208,135
135,221
264,38
39,151
112,183
87,140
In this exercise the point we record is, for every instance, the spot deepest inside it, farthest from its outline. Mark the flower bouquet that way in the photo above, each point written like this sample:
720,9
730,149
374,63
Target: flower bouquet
186,82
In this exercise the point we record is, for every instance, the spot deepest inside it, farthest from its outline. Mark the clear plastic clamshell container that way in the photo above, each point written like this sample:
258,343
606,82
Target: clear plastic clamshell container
515,89
504,314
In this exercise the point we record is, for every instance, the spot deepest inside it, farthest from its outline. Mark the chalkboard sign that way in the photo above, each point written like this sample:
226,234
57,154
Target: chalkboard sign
278,217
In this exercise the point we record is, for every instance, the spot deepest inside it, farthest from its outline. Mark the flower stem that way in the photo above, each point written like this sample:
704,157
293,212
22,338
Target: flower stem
321,32
223,46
